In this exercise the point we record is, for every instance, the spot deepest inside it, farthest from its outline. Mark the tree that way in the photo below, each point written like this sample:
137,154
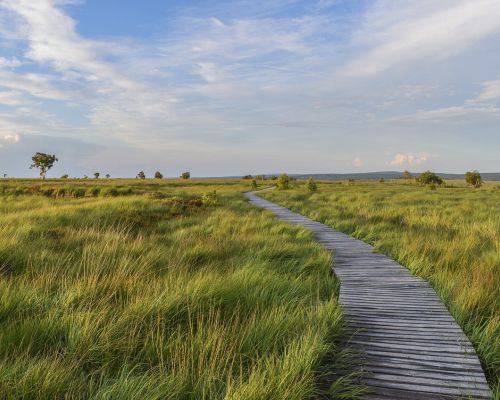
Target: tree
141,175
311,185
407,175
5,175
158,175
473,178
247,177
186,175
283,182
43,162
65,176
108,176
97,175
430,178
254,184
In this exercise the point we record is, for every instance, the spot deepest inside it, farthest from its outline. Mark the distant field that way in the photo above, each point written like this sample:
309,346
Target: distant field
449,236
147,290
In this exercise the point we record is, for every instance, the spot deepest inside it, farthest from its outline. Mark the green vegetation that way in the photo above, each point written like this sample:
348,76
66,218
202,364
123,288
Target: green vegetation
43,162
141,175
450,237
141,289
158,175
186,175
283,182
429,178
473,178
311,185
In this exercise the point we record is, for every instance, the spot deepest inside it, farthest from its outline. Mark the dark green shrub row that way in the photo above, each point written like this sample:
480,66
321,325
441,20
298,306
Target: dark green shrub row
67,191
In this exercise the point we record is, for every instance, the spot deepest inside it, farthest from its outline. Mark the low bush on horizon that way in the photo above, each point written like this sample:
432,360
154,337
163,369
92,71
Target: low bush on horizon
450,237
153,295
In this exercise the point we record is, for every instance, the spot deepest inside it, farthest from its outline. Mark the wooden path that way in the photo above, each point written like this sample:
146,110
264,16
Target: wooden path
408,343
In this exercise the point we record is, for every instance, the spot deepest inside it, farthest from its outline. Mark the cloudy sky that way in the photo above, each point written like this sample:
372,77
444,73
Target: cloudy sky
231,87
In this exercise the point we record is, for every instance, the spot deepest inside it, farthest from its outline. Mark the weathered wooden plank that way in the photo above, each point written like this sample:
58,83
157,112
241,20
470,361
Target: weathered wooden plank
404,336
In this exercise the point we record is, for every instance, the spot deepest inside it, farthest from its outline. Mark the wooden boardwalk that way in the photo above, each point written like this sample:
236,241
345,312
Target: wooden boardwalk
408,343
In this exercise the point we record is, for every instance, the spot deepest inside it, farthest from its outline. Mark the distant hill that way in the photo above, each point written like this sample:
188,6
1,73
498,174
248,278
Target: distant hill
487,176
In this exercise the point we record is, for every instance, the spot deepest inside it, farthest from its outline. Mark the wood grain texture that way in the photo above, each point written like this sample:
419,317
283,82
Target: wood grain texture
408,343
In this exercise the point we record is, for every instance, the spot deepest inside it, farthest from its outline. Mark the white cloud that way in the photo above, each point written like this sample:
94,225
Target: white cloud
8,138
358,162
10,62
449,113
401,159
400,32
491,91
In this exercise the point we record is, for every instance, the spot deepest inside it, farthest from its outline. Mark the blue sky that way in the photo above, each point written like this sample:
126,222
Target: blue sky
237,87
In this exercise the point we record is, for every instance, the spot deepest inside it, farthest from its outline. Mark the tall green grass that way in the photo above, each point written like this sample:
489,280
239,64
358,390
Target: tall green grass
139,297
449,236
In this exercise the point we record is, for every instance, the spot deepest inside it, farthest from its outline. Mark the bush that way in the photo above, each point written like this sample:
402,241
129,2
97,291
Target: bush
311,185
76,192
209,199
430,178
186,175
283,182
109,192
158,175
473,178
92,192
254,184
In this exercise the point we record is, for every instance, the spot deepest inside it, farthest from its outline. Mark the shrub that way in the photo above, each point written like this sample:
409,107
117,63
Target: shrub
60,192
92,192
254,184
76,192
247,177
473,178
311,185
141,175
283,182
158,175
65,176
186,175
109,192
209,199
430,178
125,191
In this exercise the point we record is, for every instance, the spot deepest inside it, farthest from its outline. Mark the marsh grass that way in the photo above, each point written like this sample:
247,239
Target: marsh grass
146,297
449,236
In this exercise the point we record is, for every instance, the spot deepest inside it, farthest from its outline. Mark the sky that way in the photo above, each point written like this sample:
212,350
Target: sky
231,87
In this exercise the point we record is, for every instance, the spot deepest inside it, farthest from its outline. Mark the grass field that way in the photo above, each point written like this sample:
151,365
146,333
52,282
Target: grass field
449,236
142,290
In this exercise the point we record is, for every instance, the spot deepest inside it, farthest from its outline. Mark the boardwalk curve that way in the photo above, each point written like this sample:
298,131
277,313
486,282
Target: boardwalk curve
408,343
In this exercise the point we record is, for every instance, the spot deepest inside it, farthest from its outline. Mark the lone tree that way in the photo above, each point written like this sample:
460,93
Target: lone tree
65,176
43,162
312,186
430,178
473,178
407,175
141,175
158,175
108,176
186,175
97,175
283,182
